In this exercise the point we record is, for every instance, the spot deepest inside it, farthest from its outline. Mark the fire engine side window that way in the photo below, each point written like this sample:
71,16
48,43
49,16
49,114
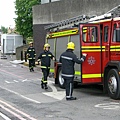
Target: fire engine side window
76,40
116,33
51,42
61,45
90,34
105,33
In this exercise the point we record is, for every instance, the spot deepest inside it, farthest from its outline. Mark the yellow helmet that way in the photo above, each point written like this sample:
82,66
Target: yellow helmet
46,45
71,45
30,43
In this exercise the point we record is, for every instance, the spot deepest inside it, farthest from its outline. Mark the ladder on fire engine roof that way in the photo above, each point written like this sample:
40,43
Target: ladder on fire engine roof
115,12
67,22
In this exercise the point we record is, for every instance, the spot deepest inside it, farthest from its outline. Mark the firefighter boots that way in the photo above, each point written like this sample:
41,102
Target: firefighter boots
71,98
31,70
42,85
46,87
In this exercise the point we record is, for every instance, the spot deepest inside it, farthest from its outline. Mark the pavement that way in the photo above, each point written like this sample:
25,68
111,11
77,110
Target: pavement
13,60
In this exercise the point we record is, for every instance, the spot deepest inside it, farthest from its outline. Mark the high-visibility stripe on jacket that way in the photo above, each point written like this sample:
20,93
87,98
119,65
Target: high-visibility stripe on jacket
31,53
45,58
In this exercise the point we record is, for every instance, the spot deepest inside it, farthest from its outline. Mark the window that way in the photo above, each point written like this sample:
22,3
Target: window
44,1
116,33
105,33
48,1
54,0
90,34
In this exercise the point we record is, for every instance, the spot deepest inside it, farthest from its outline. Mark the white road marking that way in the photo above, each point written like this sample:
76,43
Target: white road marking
13,108
8,82
21,95
15,81
50,83
55,94
4,116
25,80
14,65
18,116
110,106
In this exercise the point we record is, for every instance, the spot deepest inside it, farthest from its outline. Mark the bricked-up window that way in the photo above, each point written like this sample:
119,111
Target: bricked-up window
48,1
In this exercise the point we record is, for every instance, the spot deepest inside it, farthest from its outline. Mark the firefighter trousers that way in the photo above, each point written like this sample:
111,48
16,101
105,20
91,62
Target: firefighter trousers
45,72
31,63
69,86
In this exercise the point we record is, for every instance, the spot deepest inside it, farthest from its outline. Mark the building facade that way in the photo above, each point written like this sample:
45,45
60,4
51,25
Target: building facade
51,11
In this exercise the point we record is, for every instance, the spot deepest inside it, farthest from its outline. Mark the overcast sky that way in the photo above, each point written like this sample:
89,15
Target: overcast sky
7,13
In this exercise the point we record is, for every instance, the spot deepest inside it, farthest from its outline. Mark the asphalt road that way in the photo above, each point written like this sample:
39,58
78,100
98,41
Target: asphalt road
21,98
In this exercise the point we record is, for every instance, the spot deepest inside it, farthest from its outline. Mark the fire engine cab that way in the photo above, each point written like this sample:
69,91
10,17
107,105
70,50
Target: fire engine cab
99,38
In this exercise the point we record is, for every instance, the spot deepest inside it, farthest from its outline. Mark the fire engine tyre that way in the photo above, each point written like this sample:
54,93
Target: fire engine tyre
60,79
113,84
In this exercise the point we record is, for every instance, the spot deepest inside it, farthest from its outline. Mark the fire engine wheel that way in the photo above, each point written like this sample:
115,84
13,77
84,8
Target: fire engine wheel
60,79
113,83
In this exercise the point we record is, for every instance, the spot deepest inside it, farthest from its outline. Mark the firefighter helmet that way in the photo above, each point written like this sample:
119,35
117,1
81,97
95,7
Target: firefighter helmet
71,45
46,45
30,42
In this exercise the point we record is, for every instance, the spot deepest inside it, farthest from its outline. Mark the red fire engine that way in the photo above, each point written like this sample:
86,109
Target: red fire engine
99,37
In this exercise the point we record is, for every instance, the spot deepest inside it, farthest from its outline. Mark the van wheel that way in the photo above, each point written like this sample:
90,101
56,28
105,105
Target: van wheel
60,79
113,84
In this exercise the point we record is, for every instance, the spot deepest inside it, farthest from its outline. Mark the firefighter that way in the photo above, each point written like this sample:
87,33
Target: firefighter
45,60
31,56
68,59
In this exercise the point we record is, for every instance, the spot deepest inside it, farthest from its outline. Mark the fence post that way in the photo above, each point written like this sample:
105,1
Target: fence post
25,56
21,55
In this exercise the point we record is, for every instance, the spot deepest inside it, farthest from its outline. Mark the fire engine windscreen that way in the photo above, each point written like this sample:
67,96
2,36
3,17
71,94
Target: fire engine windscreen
90,34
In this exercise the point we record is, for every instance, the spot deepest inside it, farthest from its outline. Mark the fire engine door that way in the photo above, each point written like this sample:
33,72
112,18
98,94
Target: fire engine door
91,45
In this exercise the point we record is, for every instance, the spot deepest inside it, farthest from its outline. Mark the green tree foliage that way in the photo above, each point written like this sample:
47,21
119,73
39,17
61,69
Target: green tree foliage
4,30
24,20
